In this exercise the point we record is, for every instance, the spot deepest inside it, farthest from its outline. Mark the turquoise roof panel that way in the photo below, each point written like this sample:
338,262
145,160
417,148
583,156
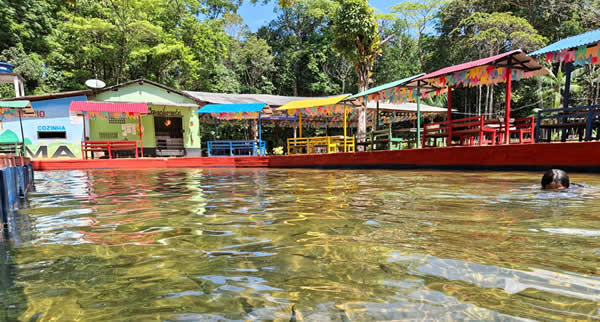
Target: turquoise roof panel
15,104
385,86
587,38
232,108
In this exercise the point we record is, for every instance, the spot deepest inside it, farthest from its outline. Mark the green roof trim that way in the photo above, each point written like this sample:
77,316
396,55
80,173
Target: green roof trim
15,104
385,86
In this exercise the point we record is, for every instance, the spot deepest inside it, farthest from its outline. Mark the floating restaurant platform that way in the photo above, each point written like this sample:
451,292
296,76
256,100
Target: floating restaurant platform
572,156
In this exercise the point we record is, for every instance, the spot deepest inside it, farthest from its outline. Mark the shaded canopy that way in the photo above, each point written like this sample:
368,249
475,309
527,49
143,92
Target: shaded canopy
88,106
587,38
24,106
490,70
313,102
232,108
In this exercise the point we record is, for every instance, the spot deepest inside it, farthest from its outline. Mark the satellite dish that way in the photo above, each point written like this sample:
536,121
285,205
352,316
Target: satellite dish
94,83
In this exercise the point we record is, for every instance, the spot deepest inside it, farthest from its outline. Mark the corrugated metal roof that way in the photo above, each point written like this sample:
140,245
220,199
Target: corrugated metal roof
587,38
15,104
232,108
42,97
385,86
313,102
87,106
518,55
223,98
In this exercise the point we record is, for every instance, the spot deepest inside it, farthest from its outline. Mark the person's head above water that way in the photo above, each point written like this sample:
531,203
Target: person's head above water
555,179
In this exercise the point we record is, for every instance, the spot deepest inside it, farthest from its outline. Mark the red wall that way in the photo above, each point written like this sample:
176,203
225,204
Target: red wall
573,155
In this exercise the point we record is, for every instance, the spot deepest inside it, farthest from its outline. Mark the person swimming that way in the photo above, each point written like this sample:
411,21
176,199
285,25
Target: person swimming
555,179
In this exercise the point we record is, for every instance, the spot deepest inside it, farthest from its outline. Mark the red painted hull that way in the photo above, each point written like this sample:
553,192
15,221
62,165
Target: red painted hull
572,155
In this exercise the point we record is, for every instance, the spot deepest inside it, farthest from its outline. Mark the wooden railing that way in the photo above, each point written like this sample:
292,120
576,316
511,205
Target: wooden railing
580,120
237,147
108,147
477,130
320,144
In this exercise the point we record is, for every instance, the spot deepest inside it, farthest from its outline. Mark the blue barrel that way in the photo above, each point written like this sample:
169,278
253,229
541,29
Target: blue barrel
6,67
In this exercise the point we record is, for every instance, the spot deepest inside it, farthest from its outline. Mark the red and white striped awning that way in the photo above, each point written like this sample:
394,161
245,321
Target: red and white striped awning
87,106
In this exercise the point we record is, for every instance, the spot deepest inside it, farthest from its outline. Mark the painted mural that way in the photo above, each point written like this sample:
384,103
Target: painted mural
53,133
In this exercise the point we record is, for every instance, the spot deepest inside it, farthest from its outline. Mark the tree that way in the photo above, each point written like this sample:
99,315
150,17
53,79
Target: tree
356,38
420,16
301,42
553,86
399,58
490,34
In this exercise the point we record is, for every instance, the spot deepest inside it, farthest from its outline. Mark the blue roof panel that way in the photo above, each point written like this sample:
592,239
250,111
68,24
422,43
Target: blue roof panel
587,38
232,108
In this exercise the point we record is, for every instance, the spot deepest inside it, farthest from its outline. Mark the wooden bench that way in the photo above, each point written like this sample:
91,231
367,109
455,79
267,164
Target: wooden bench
466,129
384,137
237,147
108,147
169,149
471,128
582,120
435,131
12,148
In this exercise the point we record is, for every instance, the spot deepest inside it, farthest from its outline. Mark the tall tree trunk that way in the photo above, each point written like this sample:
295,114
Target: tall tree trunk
363,73
479,101
420,51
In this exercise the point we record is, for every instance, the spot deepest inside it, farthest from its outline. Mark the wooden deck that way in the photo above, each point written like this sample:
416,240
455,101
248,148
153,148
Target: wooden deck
572,156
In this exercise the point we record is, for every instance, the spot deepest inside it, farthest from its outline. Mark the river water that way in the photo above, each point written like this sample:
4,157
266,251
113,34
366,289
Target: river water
268,244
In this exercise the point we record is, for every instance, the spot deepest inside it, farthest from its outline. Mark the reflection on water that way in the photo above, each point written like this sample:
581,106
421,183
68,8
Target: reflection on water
336,245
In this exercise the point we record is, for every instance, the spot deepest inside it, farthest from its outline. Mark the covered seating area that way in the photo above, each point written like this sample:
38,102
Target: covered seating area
110,149
319,144
478,130
569,123
252,111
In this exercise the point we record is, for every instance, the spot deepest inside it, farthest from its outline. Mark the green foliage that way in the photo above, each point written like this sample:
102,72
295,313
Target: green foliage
419,16
497,32
312,48
356,37
400,56
553,85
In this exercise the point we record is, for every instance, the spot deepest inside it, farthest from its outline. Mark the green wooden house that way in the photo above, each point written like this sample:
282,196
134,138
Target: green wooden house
170,128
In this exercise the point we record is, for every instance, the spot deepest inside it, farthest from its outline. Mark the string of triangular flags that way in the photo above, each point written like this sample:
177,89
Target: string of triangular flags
579,56
109,115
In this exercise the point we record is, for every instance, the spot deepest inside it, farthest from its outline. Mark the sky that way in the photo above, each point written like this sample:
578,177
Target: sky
258,15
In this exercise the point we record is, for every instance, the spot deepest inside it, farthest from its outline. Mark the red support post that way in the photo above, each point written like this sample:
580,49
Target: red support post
141,134
507,111
82,151
449,117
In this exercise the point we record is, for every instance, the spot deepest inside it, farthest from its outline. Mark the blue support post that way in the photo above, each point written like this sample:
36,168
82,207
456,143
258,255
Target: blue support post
569,69
230,148
588,124
260,152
